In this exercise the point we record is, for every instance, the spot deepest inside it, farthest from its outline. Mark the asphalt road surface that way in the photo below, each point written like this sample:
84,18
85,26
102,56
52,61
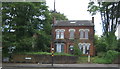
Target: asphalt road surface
61,66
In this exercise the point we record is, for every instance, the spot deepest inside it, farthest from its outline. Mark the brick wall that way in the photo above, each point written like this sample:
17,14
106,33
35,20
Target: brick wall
44,59
76,37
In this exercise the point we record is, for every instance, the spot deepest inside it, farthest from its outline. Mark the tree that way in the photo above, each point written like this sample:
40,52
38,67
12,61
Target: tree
58,15
21,21
109,14
110,18
27,26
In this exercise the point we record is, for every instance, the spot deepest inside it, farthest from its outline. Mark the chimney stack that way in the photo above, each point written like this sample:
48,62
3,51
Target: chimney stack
93,20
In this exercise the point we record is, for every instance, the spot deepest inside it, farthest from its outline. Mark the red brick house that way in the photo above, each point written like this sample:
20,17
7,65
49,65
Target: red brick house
66,33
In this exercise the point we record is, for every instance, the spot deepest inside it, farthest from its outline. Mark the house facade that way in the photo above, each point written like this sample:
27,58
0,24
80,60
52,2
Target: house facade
70,32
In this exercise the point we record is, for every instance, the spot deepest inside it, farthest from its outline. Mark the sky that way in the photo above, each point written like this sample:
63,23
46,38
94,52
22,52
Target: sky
76,10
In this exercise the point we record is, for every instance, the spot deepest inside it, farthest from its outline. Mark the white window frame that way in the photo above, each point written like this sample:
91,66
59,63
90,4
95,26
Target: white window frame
81,31
84,34
57,33
84,46
72,36
60,33
59,47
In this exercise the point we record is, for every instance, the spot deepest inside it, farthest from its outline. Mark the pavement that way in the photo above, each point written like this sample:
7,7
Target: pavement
58,65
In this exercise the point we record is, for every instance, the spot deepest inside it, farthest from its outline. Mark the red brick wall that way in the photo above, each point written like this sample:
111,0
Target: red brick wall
77,35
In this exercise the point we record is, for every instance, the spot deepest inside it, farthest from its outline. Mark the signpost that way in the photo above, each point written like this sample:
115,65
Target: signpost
88,55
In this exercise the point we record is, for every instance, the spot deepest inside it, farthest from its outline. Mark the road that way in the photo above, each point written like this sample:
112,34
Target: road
64,68
61,66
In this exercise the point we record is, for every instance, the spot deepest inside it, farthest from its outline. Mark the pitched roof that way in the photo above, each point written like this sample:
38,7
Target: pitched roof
74,23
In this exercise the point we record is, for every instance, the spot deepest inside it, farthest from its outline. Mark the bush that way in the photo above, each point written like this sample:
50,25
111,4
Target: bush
77,51
101,47
111,55
107,57
45,53
65,54
100,60
100,54
118,46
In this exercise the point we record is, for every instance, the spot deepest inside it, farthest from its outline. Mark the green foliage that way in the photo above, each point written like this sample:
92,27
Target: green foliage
101,47
92,8
105,43
100,54
111,55
118,46
109,14
76,50
111,41
37,53
64,54
83,59
27,19
45,53
42,41
107,57
100,44
100,61
24,45
58,16
105,47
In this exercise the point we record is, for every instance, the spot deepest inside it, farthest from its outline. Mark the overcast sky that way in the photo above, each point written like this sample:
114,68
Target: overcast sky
76,10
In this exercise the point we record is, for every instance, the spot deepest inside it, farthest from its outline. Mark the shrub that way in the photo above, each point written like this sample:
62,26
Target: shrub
111,55
107,57
65,54
100,54
45,53
101,46
100,60
118,45
77,51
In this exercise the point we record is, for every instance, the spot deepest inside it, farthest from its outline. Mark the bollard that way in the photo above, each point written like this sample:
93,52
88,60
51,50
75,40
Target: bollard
52,56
